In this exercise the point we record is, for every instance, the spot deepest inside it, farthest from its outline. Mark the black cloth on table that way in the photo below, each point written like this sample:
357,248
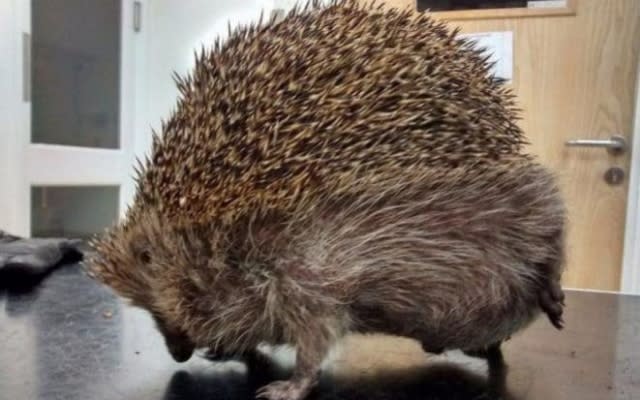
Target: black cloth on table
24,262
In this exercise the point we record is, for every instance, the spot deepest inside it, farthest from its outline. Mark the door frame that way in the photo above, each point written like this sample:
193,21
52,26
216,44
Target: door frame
32,164
631,259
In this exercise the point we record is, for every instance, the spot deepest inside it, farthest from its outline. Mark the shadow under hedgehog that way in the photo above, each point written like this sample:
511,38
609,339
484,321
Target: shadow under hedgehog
347,169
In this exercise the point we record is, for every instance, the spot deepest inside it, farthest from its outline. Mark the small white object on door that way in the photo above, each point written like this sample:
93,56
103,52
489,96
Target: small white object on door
500,46
547,4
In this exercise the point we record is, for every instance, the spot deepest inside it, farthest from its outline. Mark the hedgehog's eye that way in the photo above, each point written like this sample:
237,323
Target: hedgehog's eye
145,257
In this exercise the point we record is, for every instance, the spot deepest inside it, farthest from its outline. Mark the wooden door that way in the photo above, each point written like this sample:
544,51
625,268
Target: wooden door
575,77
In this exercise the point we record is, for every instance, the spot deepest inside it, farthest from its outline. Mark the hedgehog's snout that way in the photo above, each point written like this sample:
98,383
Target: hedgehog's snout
178,343
180,348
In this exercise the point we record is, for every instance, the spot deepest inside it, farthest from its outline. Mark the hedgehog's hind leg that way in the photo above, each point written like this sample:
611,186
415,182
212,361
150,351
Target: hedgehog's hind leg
304,379
254,359
493,354
312,346
432,350
497,371
551,300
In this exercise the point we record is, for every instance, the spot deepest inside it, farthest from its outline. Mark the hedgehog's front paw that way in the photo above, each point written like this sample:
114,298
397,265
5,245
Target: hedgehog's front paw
285,390
214,355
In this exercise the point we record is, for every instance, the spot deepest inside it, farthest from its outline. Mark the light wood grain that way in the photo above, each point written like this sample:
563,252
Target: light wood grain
575,78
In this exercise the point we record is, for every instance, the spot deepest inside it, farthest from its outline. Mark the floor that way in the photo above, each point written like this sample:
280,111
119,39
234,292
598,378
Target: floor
71,339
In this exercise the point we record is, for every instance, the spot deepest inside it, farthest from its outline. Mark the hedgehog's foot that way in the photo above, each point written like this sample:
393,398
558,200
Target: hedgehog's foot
497,372
215,355
551,300
495,359
255,359
294,389
310,351
249,357
493,354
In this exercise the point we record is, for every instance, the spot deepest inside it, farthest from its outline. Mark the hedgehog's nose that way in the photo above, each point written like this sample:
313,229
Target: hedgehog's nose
181,353
181,349
179,345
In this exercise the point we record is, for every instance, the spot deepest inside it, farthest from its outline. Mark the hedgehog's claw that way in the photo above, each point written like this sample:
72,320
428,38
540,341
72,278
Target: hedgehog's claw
285,390
555,290
551,300
212,354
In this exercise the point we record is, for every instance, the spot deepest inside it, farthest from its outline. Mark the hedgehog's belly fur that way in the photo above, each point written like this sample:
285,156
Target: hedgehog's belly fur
462,265
455,262
441,320
468,299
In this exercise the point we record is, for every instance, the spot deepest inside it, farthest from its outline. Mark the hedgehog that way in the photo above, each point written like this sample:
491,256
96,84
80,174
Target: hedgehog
348,169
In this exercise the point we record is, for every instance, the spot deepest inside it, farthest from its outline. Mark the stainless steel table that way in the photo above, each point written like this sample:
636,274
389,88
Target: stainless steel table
71,339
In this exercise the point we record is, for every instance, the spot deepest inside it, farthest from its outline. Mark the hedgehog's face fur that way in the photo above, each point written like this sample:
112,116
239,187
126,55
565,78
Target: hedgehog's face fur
143,260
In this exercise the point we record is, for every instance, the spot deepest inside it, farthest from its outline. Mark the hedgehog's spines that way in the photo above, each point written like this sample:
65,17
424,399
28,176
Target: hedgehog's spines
138,168
261,17
181,83
258,124
310,6
295,10
156,141
230,29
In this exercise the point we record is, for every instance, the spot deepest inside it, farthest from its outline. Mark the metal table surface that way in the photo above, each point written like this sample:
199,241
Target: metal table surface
71,339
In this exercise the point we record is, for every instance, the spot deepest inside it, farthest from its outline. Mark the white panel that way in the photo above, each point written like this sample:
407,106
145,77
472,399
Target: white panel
500,45
547,4
66,165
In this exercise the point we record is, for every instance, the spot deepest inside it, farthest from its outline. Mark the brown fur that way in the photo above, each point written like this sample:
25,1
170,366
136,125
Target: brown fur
295,196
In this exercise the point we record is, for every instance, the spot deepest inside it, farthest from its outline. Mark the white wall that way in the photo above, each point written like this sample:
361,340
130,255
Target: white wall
173,30
10,123
7,52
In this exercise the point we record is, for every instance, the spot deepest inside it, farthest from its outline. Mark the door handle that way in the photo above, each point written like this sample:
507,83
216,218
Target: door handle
617,145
